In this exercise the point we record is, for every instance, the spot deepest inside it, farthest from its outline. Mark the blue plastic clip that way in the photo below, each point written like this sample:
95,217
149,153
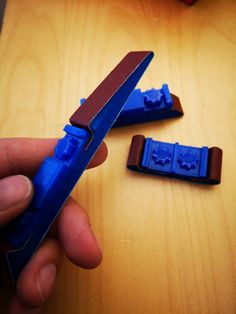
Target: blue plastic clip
153,104
175,160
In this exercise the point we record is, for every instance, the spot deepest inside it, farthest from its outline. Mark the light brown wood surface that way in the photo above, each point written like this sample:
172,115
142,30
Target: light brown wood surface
169,245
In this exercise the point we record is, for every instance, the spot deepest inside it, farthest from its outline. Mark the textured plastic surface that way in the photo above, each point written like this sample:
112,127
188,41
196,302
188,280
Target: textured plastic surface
175,160
185,161
58,174
153,104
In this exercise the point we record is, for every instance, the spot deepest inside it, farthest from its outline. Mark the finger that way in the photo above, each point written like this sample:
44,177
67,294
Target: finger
18,307
99,157
24,156
37,279
15,194
76,236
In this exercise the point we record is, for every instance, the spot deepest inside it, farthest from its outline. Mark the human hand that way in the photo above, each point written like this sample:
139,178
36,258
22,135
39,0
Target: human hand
20,159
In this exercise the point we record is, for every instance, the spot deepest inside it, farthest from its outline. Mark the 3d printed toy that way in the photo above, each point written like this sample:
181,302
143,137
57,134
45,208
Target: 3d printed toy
153,104
58,174
175,160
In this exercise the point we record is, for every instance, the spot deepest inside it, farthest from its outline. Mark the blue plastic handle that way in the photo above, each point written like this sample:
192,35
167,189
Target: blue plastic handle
53,183
58,174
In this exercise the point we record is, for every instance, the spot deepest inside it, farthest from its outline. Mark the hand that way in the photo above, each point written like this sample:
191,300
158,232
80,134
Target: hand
20,159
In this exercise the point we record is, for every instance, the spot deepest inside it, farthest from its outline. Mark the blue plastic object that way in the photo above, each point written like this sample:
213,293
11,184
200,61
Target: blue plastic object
58,174
180,160
52,183
153,104
201,165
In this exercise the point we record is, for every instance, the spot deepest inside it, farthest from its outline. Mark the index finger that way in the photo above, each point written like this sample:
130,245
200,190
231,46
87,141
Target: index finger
25,155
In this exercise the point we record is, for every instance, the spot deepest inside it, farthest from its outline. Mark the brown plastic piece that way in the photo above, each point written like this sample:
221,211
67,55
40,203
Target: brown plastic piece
214,161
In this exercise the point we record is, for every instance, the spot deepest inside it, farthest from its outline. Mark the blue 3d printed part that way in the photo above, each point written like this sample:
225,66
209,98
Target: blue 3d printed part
153,104
175,160
58,174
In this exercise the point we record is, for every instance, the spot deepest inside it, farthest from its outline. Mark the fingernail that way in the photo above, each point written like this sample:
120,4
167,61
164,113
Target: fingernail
14,190
46,279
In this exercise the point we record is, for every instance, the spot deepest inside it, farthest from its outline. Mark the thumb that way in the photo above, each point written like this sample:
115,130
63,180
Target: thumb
15,194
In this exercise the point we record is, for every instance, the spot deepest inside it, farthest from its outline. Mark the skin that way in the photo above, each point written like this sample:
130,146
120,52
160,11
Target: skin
71,235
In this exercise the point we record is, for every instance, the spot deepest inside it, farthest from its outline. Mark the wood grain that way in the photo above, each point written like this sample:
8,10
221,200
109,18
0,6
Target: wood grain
169,246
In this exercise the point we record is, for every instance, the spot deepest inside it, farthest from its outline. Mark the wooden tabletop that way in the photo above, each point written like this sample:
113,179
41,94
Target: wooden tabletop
169,245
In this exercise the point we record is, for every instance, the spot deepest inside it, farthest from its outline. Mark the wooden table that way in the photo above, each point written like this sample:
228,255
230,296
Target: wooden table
169,245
